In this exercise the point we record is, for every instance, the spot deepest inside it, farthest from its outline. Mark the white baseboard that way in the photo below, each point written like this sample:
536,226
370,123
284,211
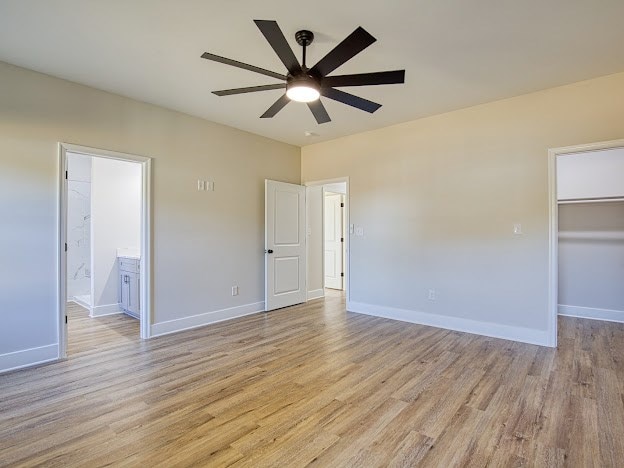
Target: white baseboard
80,302
28,357
107,309
315,294
592,313
194,321
495,330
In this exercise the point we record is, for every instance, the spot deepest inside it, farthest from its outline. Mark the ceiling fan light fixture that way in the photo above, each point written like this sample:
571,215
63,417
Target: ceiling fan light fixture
305,84
303,89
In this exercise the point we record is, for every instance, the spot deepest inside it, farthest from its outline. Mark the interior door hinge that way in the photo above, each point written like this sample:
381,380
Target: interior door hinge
65,175
342,205
342,274
342,239
66,319
65,246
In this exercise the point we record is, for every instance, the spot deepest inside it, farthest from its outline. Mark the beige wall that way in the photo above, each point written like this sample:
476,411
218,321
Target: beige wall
315,248
203,242
437,199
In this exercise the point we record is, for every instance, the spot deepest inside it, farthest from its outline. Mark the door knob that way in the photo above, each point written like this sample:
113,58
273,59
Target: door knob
269,251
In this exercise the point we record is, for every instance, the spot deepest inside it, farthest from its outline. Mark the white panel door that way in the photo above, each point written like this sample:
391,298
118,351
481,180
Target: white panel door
285,248
334,240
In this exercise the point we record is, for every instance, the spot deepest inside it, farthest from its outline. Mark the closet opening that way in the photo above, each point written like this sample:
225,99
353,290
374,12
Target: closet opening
587,220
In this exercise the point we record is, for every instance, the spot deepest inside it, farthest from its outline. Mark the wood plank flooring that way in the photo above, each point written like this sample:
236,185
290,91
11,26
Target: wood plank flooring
315,385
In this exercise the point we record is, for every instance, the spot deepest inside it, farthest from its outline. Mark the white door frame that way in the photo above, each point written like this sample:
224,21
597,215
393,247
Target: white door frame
347,258
146,236
553,232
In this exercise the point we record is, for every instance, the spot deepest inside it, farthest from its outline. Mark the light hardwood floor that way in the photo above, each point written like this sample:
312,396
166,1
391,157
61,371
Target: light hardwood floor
314,384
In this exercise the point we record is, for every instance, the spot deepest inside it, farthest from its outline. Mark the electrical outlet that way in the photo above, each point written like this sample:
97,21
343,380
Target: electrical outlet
234,290
432,294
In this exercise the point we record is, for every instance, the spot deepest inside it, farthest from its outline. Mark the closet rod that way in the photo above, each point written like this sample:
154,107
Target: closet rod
590,200
591,235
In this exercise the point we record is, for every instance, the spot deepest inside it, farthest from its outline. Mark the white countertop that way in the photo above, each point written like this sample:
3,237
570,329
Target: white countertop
129,252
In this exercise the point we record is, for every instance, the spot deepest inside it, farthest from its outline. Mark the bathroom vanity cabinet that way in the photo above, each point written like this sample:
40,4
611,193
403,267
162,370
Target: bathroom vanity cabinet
129,281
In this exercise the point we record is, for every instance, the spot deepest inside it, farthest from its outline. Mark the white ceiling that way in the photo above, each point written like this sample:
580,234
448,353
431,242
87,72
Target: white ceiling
456,53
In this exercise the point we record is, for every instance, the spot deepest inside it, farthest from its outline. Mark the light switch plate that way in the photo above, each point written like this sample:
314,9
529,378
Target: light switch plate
359,231
517,228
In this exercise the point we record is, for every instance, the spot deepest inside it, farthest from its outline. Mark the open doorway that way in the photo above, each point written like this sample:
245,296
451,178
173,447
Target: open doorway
104,249
327,205
587,233
334,235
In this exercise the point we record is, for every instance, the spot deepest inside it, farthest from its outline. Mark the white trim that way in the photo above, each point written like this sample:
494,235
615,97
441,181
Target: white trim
195,321
145,263
553,234
61,257
592,313
107,309
347,202
146,229
495,330
80,302
28,357
327,181
103,153
315,294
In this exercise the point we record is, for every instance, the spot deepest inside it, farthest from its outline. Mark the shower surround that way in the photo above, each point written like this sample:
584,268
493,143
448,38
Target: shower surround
79,229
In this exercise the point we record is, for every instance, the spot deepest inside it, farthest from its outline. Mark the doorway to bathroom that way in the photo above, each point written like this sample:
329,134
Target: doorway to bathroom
104,248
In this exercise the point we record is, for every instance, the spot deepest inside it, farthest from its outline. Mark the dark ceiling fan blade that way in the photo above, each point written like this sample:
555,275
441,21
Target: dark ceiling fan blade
249,89
274,35
319,111
245,66
276,107
365,79
354,43
350,99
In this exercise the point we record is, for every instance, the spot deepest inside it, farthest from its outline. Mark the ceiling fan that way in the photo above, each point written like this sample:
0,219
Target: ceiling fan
305,84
